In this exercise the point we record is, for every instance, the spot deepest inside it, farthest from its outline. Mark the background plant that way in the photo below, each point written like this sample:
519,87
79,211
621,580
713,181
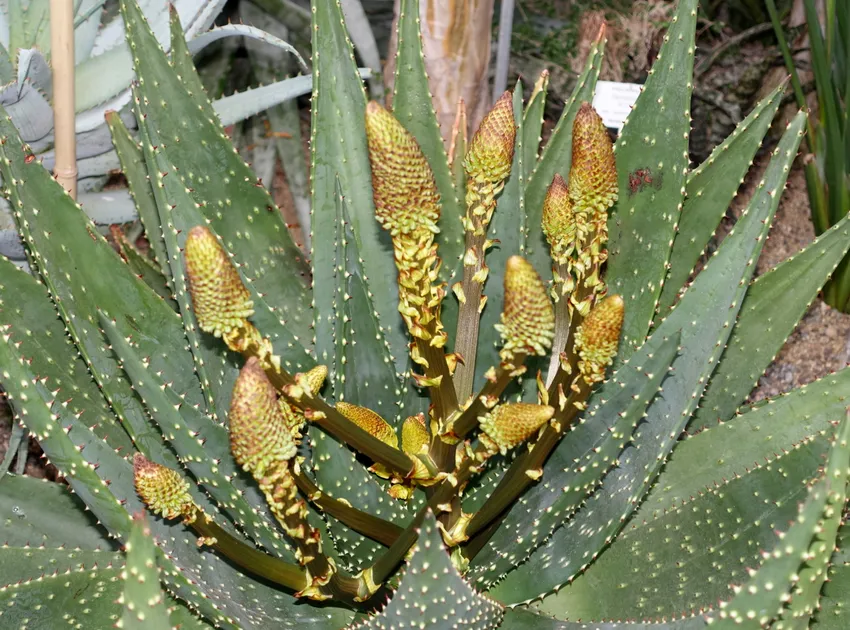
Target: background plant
608,526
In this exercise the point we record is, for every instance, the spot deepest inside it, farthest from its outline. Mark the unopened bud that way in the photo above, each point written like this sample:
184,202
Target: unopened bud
491,150
406,197
528,321
316,378
559,224
220,300
370,422
259,433
414,435
593,174
163,490
598,337
511,424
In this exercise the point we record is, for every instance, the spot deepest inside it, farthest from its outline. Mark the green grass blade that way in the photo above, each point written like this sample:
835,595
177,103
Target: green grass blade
143,600
413,107
774,304
338,145
652,165
556,158
703,316
709,191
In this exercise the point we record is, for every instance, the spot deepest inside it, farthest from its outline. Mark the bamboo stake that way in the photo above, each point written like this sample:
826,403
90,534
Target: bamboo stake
64,118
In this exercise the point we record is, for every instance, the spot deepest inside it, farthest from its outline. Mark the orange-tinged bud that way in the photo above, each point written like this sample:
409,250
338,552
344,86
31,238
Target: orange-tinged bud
559,224
221,301
593,175
406,197
491,150
511,424
370,422
598,337
163,490
414,435
259,433
528,321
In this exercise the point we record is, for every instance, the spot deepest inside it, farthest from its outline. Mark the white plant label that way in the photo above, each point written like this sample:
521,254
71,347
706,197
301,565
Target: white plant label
614,101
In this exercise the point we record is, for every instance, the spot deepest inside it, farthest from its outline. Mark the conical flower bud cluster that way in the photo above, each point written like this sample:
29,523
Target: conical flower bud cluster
491,150
559,224
220,300
598,337
511,424
161,489
528,320
593,175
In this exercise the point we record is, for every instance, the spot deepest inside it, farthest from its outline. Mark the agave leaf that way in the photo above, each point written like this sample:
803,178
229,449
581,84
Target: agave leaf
652,164
579,463
203,447
248,32
774,304
269,257
218,591
338,145
25,307
703,316
133,166
709,191
523,619
413,107
433,594
365,371
834,613
533,123
360,31
143,600
99,279
147,270
557,157
507,225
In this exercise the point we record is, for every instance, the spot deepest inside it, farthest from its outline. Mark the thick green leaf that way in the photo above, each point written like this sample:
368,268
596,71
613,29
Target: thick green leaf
413,107
523,619
143,599
432,594
203,447
834,613
533,122
579,463
25,307
652,163
364,372
709,191
556,159
774,304
81,283
238,208
147,270
338,145
703,316
134,169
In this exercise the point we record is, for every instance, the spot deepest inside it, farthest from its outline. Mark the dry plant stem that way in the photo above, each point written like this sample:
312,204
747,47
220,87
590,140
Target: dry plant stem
373,527
467,421
64,117
469,313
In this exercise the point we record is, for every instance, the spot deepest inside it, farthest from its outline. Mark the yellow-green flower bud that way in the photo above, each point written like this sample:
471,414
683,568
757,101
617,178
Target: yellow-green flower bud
491,150
370,422
593,174
559,224
528,321
260,435
163,490
220,300
414,435
511,424
406,197
598,337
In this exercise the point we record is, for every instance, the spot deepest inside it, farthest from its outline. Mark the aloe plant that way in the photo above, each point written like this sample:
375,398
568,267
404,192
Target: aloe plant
103,76
343,441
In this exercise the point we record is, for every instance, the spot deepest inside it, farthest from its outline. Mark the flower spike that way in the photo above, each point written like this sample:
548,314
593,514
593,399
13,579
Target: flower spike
370,422
221,301
559,224
512,424
491,150
593,175
598,337
163,490
527,318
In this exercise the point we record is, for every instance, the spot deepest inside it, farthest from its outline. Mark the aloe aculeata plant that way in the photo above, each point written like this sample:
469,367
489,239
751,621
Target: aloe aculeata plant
421,426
